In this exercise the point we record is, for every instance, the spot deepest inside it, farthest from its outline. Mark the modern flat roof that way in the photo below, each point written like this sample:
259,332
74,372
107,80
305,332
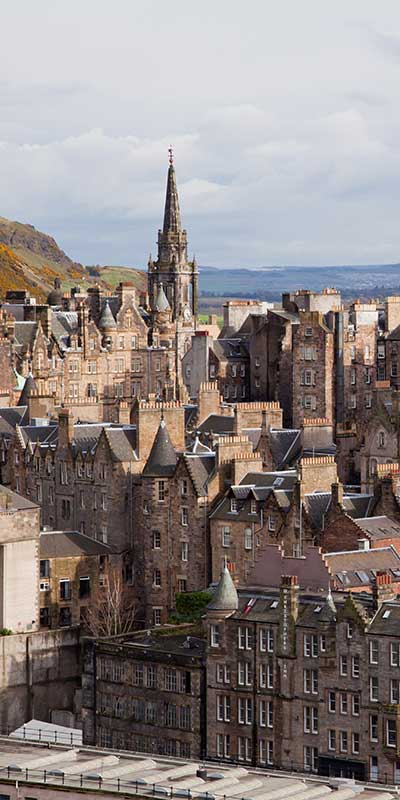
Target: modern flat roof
89,769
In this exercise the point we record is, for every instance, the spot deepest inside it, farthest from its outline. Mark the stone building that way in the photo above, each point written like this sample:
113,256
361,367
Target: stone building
81,475
313,368
304,681
170,547
146,692
19,562
73,568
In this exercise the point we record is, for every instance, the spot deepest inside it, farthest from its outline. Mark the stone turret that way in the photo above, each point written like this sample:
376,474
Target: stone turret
225,600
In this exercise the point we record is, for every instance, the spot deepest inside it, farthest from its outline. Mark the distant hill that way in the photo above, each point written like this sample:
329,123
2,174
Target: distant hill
113,275
31,259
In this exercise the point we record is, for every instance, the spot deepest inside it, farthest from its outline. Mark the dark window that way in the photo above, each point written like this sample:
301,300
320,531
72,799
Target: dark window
45,618
65,589
84,587
44,568
65,616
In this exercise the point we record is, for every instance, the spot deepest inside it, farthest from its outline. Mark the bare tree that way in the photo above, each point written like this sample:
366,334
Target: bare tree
111,610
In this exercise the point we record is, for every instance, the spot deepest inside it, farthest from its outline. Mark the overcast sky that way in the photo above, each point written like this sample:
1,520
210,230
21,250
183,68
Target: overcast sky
284,117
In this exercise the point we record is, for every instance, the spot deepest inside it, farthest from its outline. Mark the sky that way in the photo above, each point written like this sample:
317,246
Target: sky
284,118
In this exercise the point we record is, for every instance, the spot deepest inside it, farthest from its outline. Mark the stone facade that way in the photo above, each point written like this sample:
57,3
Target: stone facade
146,693
305,683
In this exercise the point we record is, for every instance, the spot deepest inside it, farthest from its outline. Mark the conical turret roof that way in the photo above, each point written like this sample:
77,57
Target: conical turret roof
107,321
226,596
162,459
29,387
162,303
328,611
172,214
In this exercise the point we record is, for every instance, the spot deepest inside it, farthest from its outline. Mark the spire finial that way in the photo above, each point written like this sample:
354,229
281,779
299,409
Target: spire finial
170,155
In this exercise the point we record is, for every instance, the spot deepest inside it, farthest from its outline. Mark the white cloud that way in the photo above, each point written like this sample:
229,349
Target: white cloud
284,119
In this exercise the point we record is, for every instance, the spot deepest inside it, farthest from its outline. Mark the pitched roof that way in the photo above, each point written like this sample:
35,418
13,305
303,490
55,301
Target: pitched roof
163,458
217,423
226,596
10,417
200,467
357,568
379,527
311,569
58,544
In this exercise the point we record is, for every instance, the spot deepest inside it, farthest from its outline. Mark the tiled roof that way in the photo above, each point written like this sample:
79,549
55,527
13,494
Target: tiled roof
200,468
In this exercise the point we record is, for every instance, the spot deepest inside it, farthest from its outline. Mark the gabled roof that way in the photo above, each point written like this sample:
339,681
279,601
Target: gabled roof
163,458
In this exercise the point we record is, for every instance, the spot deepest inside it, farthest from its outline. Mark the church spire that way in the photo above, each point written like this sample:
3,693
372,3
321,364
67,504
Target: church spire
172,214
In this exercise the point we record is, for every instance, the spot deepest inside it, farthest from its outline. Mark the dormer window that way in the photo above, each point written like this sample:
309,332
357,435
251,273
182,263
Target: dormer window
234,505
381,439
253,507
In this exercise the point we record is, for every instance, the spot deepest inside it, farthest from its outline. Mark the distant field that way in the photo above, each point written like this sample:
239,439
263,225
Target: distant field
114,275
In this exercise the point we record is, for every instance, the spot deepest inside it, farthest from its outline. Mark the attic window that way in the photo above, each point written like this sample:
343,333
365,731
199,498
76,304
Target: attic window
274,604
317,609
234,506
386,613
278,481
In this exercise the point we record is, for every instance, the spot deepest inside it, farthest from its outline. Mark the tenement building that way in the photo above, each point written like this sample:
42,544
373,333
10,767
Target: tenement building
146,692
302,680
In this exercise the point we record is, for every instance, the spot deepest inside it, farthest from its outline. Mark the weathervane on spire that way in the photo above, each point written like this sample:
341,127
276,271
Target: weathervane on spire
170,155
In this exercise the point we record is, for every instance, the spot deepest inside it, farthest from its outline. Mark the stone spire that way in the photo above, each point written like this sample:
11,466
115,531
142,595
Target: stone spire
107,321
162,459
172,214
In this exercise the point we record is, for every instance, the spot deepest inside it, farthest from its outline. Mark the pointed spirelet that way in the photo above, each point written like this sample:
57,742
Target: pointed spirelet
172,214
226,596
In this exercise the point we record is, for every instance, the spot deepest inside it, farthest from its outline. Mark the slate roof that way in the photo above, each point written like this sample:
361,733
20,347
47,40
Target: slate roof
358,505
386,620
122,443
357,568
107,320
217,423
29,387
63,324
16,502
229,348
311,570
59,544
285,445
163,458
39,433
181,644
11,417
379,527
25,333
226,596
200,468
